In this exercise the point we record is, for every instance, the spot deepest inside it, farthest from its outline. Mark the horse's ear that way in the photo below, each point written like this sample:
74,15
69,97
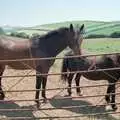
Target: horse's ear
82,28
71,27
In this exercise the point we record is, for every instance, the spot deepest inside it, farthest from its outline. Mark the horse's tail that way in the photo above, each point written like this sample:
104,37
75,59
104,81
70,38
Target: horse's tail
64,69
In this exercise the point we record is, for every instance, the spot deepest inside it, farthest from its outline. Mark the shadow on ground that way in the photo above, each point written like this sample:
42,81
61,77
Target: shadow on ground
12,105
58,102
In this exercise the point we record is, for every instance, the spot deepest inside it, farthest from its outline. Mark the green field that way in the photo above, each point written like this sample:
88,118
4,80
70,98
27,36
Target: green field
91,27
95,46
102,45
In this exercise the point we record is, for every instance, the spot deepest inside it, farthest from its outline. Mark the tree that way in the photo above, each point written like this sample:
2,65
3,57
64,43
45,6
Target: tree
96,36
115,35
14,34
21,35
35,34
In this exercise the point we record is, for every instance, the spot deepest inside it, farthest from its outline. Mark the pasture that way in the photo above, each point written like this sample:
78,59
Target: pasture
102,45
91,46
92,27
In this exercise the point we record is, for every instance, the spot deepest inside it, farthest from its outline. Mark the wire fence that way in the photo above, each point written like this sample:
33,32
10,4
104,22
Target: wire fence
58,88
59,117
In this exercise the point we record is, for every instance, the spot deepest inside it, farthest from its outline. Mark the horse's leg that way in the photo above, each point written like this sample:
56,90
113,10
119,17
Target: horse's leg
107,96
2,95
114,107
70,77
77,80
38,86
44,81
110,97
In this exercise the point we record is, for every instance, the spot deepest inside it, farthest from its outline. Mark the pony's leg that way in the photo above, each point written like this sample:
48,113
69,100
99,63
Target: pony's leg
44,81
114,107
2,95
38,86
107,96
77,80
70,77
110,97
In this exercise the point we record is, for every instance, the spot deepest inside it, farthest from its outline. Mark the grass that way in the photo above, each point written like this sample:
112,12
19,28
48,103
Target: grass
98,27
106,45
105,27
30,32
102,45
98,46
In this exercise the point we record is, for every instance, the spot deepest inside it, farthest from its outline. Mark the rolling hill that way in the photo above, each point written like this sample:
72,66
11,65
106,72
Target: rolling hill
91,27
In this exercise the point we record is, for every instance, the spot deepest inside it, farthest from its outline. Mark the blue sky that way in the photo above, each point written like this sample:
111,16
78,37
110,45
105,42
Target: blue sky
36,12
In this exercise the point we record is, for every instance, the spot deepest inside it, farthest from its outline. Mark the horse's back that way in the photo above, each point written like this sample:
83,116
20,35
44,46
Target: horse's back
15,48
12,48
14,43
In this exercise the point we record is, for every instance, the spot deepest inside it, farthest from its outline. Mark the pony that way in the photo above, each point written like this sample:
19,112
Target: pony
84,64
48,45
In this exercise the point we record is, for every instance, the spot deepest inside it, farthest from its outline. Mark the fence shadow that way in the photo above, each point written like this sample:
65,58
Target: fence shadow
12,105
57,103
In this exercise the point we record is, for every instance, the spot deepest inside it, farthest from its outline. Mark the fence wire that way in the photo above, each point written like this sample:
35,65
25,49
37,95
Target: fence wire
56,117
50,108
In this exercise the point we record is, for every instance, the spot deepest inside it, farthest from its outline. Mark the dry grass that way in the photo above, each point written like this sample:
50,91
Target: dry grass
53,82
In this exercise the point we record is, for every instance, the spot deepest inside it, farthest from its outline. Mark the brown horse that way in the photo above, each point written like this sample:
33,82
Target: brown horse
102,62
48,45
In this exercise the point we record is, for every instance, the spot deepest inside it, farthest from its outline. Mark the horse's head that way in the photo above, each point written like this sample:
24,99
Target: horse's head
75,37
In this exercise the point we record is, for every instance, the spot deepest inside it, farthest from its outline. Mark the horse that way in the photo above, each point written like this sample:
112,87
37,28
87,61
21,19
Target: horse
83,64
48,45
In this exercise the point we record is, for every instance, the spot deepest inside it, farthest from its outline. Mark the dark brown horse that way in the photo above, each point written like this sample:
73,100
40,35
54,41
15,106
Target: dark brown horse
48,45
84,63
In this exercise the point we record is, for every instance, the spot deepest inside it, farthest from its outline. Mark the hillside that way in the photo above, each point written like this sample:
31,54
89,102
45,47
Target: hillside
91,27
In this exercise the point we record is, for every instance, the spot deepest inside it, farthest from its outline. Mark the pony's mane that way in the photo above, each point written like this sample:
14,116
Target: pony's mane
51,33
47,37
54,32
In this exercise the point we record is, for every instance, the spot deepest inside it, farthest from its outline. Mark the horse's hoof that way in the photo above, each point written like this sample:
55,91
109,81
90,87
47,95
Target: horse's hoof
79,94
114,107
45,100
37,104
68,95
2,96
108,108
69,92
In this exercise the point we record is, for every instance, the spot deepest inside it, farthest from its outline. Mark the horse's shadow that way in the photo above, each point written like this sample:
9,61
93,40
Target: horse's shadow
18,113
83,111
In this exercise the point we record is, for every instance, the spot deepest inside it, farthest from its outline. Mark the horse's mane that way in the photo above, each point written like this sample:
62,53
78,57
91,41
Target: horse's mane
57,32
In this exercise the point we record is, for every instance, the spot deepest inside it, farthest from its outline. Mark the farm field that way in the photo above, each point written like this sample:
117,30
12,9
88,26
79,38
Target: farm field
91,27
102,45
90,46
54,87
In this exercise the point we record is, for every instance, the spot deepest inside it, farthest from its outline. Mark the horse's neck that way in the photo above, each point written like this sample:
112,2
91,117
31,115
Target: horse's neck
58,46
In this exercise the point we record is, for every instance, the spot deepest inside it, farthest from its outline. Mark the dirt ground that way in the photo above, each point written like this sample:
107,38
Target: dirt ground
53,82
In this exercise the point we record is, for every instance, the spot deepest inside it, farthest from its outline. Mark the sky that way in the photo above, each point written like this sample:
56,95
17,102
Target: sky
37,12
